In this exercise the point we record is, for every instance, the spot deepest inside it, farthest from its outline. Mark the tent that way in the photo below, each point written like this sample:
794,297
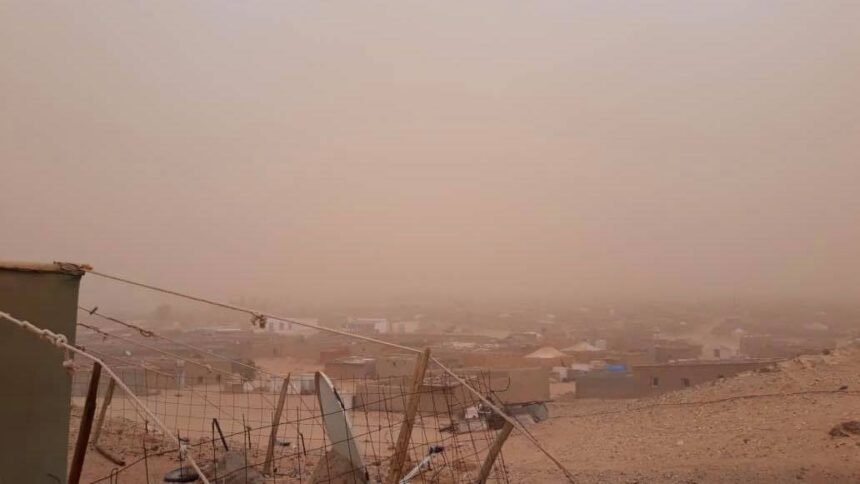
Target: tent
545,353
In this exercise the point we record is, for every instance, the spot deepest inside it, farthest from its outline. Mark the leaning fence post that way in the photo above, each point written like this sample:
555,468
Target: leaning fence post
86,426
493,453
395,471
103,411
97,432
276,421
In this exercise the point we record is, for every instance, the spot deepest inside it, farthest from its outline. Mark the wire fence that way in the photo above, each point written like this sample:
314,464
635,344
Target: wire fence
216,403
216,412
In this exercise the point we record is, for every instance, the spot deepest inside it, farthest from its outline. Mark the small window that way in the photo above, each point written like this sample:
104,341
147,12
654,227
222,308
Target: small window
199,380
655,381
685,381
218,378
716,352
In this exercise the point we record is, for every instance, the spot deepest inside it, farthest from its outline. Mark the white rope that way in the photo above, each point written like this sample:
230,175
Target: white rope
60,341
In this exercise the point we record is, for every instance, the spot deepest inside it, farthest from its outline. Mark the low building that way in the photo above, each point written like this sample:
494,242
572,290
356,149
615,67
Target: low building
351,368
405,327
657,379
368,325
606,385
330,354
396,366
139,380
173,373
766,346
292,327
715,351
650,380
513,385
665,351
436,398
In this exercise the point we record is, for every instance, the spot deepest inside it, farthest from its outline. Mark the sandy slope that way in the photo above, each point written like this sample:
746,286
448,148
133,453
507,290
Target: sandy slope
757,427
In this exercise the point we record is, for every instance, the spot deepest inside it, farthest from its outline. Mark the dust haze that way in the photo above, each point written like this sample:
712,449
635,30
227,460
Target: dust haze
360,150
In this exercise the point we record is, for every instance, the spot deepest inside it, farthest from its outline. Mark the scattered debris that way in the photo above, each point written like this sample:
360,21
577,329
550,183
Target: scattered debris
846,429
235,468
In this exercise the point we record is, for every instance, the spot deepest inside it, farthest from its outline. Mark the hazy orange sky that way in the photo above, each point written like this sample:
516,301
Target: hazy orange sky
487,149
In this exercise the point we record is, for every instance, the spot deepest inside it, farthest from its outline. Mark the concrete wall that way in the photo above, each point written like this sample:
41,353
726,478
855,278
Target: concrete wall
764,346
607,385
35,390
657,379
435,399
333,354
497,359
520,385
514,385
341,370
141,381
667,353
396,366
650,380
195,374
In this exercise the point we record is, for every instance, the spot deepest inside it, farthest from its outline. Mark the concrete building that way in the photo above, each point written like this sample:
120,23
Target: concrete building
35,389
288,328
209,371
510,386
396,366
435,398
141,381
405,327
766,346
330,354
649,380
513,385
350,368
368,325
665,351
606,385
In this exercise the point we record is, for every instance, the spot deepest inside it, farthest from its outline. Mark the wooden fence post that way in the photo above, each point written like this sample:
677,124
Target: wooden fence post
103,411
97,432
86,426
276,422
402,447
494,451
